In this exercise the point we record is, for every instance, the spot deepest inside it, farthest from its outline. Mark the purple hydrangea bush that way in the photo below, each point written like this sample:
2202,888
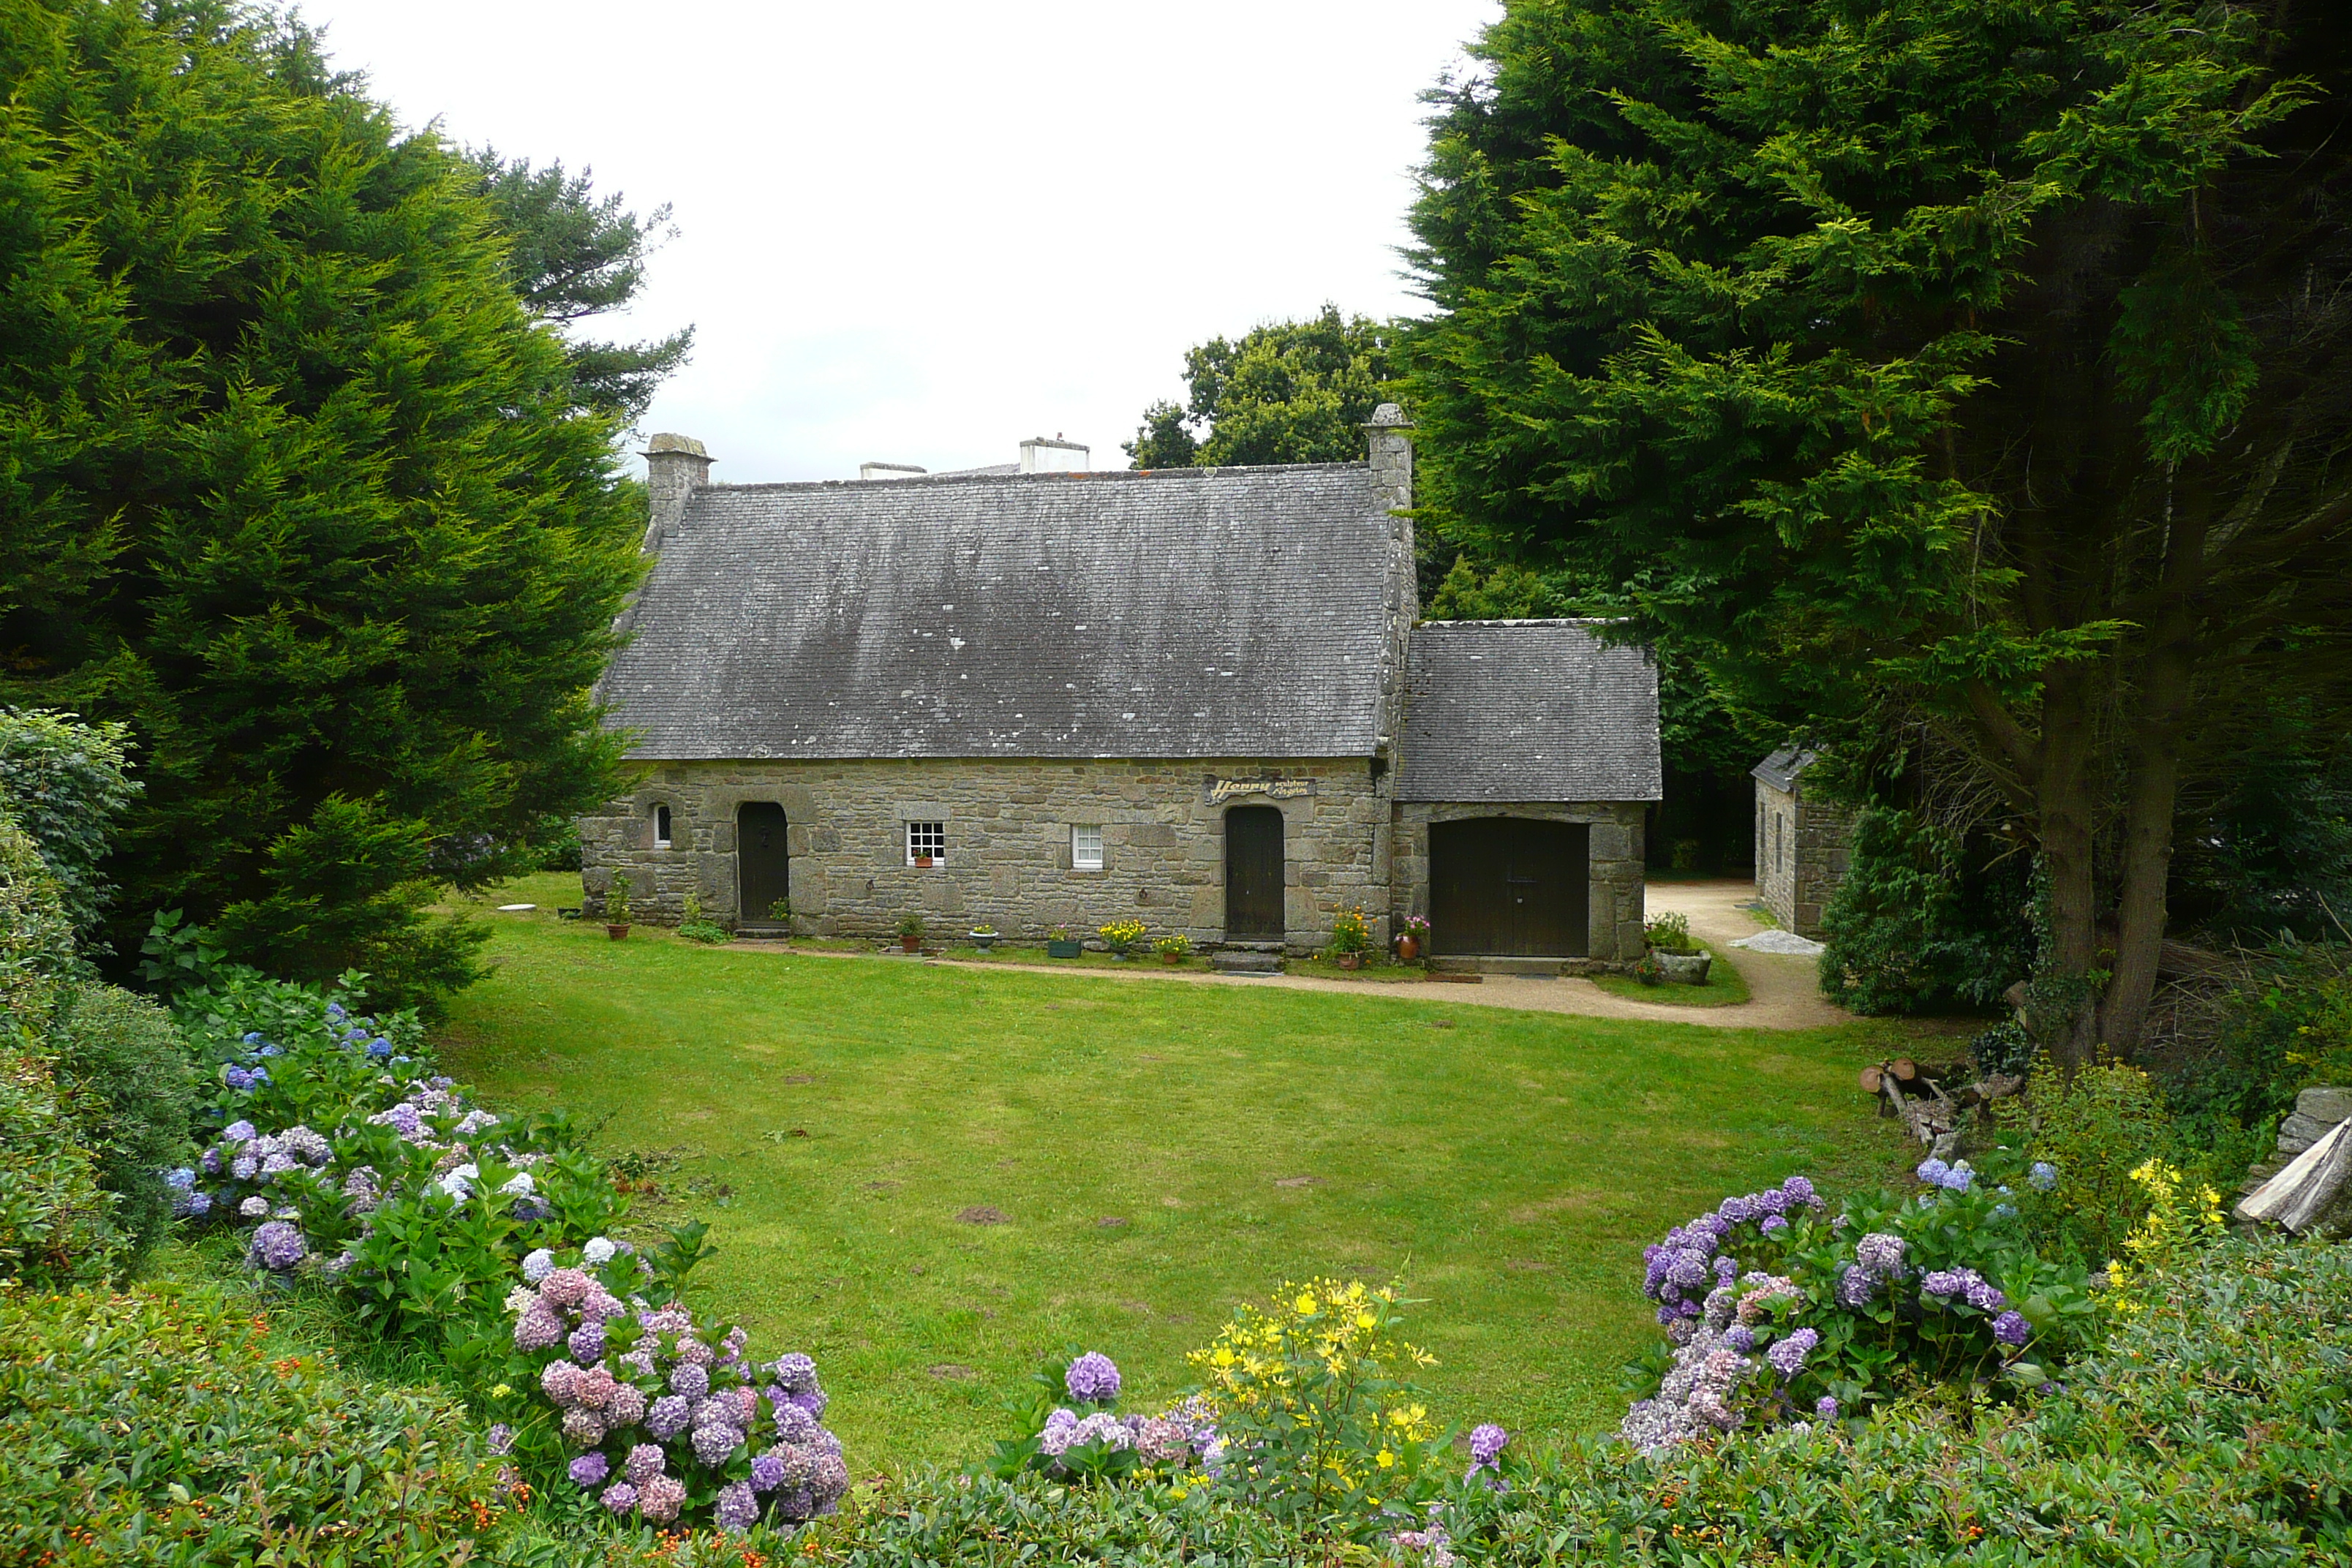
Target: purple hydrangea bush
343,1155
1095,1442
658,1416
1776,1314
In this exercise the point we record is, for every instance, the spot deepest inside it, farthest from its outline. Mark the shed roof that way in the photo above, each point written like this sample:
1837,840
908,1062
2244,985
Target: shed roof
1178,613
1527,711
1780,769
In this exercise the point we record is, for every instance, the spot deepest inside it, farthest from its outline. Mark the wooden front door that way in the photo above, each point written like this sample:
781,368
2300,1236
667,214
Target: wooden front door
763,870
1254,872
1509,887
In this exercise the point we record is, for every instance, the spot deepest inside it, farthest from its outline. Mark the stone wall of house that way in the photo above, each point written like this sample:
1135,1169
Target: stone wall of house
1008,843
1824,846
1776,837
1615,916
1802,848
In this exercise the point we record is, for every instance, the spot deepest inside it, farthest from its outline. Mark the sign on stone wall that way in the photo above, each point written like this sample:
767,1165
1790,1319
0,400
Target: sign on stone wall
1274,789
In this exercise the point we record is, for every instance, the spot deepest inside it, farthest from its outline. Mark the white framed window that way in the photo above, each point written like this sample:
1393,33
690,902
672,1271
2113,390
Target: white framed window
661,827
927,841
1085,846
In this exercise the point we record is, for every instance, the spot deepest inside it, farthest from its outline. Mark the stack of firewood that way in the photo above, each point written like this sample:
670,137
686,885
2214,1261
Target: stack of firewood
1932,1102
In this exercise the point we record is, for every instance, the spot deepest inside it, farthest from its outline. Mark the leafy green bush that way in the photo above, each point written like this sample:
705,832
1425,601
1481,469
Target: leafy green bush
56,1224
37,942
1919,922
2207,1430
2005,1048
125,1069
64,783
137,1429
2096,1129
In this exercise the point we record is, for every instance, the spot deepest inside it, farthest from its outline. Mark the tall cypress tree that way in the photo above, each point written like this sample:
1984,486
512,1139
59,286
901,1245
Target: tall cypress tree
1973,366
290,483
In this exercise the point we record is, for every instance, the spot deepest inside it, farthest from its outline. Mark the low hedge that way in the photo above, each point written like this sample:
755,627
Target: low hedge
145,1428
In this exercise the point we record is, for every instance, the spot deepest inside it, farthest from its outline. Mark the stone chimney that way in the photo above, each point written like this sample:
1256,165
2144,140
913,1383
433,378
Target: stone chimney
1041,456
1391,435
676,467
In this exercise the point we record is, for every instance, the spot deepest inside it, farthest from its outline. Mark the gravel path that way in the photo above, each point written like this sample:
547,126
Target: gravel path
1782,993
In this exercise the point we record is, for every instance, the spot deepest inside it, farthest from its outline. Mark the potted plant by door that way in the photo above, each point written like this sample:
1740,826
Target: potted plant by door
616,907
984,937
1172,947
911,932
1060,944
780,912
1412,938
1679,958
1352,938
1121,937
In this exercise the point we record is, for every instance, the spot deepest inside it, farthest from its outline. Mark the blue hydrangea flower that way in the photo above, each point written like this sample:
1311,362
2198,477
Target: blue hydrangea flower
1092,1379
2042,1174
590,1470
2011,1329
1487,1442
1788,1354
1933,1171
379,1049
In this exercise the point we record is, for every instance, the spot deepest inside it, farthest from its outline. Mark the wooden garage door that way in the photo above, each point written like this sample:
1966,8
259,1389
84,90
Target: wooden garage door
1508,886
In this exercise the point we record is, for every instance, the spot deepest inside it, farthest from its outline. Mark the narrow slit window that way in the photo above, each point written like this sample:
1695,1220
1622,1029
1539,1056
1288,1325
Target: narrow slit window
661,827
1085,846
927,842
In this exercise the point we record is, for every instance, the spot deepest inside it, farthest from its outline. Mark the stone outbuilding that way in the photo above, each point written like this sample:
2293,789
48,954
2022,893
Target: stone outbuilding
1194,696
1802,842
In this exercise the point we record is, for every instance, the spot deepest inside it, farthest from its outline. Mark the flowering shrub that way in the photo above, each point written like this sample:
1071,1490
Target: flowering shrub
1319,1423
1775,1313
328,1136
1120,936
654,1414
1092,1442
2179,1221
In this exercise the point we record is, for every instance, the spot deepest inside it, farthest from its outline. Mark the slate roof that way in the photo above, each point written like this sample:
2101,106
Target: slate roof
1780,769
1180,612
1527,711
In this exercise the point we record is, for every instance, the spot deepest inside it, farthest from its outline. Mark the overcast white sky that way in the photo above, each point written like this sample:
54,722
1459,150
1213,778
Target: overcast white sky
916,233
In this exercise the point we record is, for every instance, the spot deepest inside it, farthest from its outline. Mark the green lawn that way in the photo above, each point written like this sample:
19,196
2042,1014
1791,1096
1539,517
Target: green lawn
1159,1151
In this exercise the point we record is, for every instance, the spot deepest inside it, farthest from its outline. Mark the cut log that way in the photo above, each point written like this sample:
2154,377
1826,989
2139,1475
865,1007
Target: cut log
1906,1069
2302,1196
1871,1078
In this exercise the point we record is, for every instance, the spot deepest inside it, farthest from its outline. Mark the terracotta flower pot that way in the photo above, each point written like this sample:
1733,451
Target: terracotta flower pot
911,943
616,933
1171,958
1351,961
1408,948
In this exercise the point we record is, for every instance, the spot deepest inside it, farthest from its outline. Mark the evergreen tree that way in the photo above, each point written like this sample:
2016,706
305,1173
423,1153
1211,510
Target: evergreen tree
574,256
1979,366
1289,391
293,486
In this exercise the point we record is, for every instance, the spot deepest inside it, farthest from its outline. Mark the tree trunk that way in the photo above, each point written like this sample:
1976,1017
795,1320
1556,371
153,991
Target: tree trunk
2063,790
2154,789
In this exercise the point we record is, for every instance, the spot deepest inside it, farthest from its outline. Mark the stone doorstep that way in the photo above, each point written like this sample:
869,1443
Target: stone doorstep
1245,961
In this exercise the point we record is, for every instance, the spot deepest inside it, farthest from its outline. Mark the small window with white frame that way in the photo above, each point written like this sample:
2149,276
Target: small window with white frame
661,827
1085,846
927,843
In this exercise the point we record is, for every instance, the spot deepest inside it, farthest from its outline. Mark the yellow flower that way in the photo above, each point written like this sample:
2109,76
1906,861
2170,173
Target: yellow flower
1305,1305
1387,1459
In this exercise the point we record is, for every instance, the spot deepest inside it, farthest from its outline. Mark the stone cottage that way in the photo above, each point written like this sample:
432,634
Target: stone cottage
1193,696
1801,842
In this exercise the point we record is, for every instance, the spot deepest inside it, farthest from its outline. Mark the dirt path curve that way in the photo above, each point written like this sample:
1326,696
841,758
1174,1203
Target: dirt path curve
1781,991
